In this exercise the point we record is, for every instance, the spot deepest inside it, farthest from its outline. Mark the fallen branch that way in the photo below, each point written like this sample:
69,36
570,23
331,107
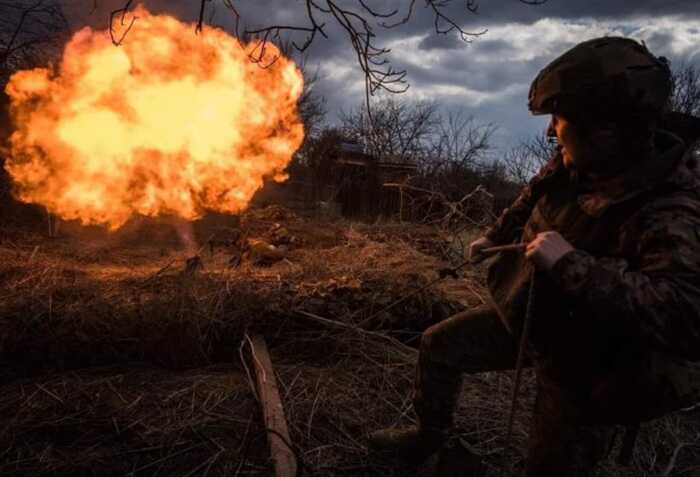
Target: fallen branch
275,421
672,462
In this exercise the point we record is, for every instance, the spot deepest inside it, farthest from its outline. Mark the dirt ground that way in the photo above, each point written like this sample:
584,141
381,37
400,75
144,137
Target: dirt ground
119,358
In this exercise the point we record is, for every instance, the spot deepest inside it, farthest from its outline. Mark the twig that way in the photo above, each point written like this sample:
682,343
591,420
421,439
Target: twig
674,457
49,393
251,381
524,336
120,12
164,459
355,328
31,257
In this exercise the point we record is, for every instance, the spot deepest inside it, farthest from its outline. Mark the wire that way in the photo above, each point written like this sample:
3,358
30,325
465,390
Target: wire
524,335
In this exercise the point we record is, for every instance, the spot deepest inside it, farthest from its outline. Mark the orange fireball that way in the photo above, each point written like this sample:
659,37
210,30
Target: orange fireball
167,123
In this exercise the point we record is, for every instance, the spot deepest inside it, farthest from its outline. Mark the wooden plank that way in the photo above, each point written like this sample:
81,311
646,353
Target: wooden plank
275,422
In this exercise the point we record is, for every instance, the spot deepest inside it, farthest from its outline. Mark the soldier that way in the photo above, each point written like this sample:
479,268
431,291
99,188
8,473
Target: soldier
612,227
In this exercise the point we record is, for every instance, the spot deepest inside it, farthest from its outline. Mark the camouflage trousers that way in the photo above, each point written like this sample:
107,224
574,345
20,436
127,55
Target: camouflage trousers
561,443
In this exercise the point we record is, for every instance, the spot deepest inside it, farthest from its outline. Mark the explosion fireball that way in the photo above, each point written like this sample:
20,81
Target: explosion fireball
167,123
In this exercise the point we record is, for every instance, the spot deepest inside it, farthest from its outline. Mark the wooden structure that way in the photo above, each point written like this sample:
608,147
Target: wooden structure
342,177
275,422
358,179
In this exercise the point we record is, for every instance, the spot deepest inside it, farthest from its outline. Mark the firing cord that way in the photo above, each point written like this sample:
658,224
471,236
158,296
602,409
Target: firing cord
522,349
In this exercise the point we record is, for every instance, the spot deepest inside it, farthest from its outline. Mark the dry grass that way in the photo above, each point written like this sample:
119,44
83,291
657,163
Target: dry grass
115,362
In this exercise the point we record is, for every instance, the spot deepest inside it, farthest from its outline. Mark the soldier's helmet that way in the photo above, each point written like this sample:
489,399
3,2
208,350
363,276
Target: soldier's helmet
608,77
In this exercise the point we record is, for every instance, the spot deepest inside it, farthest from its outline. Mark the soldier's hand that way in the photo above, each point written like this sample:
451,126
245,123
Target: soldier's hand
546,249
475,248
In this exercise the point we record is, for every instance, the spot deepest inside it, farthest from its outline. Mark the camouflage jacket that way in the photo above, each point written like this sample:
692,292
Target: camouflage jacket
621,313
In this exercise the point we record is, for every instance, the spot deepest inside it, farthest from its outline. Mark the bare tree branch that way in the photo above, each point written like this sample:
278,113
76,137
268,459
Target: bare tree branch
120,12
398,130
29,34
200,22
442,19
527,158
685,92
20,24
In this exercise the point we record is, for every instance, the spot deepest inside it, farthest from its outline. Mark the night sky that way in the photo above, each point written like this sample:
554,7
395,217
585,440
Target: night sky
488,77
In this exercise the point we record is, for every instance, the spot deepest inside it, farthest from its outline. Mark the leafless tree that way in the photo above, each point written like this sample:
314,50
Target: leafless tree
398,130
453,183
451,152
495,178
447,146
312,109
30,34
451,166
525,160
312,105
459,141
685,95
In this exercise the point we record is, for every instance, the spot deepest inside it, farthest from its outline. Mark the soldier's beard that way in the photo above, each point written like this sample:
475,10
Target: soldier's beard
607,150
599,163
602,155
567,159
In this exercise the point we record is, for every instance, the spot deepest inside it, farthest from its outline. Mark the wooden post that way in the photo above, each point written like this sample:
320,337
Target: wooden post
50,223
273,412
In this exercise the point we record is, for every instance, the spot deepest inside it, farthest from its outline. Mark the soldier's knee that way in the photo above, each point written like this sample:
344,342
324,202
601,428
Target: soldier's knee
429,338
425,342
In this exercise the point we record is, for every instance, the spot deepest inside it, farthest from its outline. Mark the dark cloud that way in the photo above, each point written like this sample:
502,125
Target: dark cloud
659,40
475,75
490,46
501,11
441,42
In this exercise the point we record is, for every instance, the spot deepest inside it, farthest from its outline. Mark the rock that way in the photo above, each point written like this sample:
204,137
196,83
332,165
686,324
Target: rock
261,252
272,212
280,235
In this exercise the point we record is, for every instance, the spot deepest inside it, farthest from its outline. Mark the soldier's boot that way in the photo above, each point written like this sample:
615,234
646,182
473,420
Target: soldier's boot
434,399
412,445
472,341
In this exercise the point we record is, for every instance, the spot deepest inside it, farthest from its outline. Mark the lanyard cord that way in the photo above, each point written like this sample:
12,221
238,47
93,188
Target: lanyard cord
524,334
